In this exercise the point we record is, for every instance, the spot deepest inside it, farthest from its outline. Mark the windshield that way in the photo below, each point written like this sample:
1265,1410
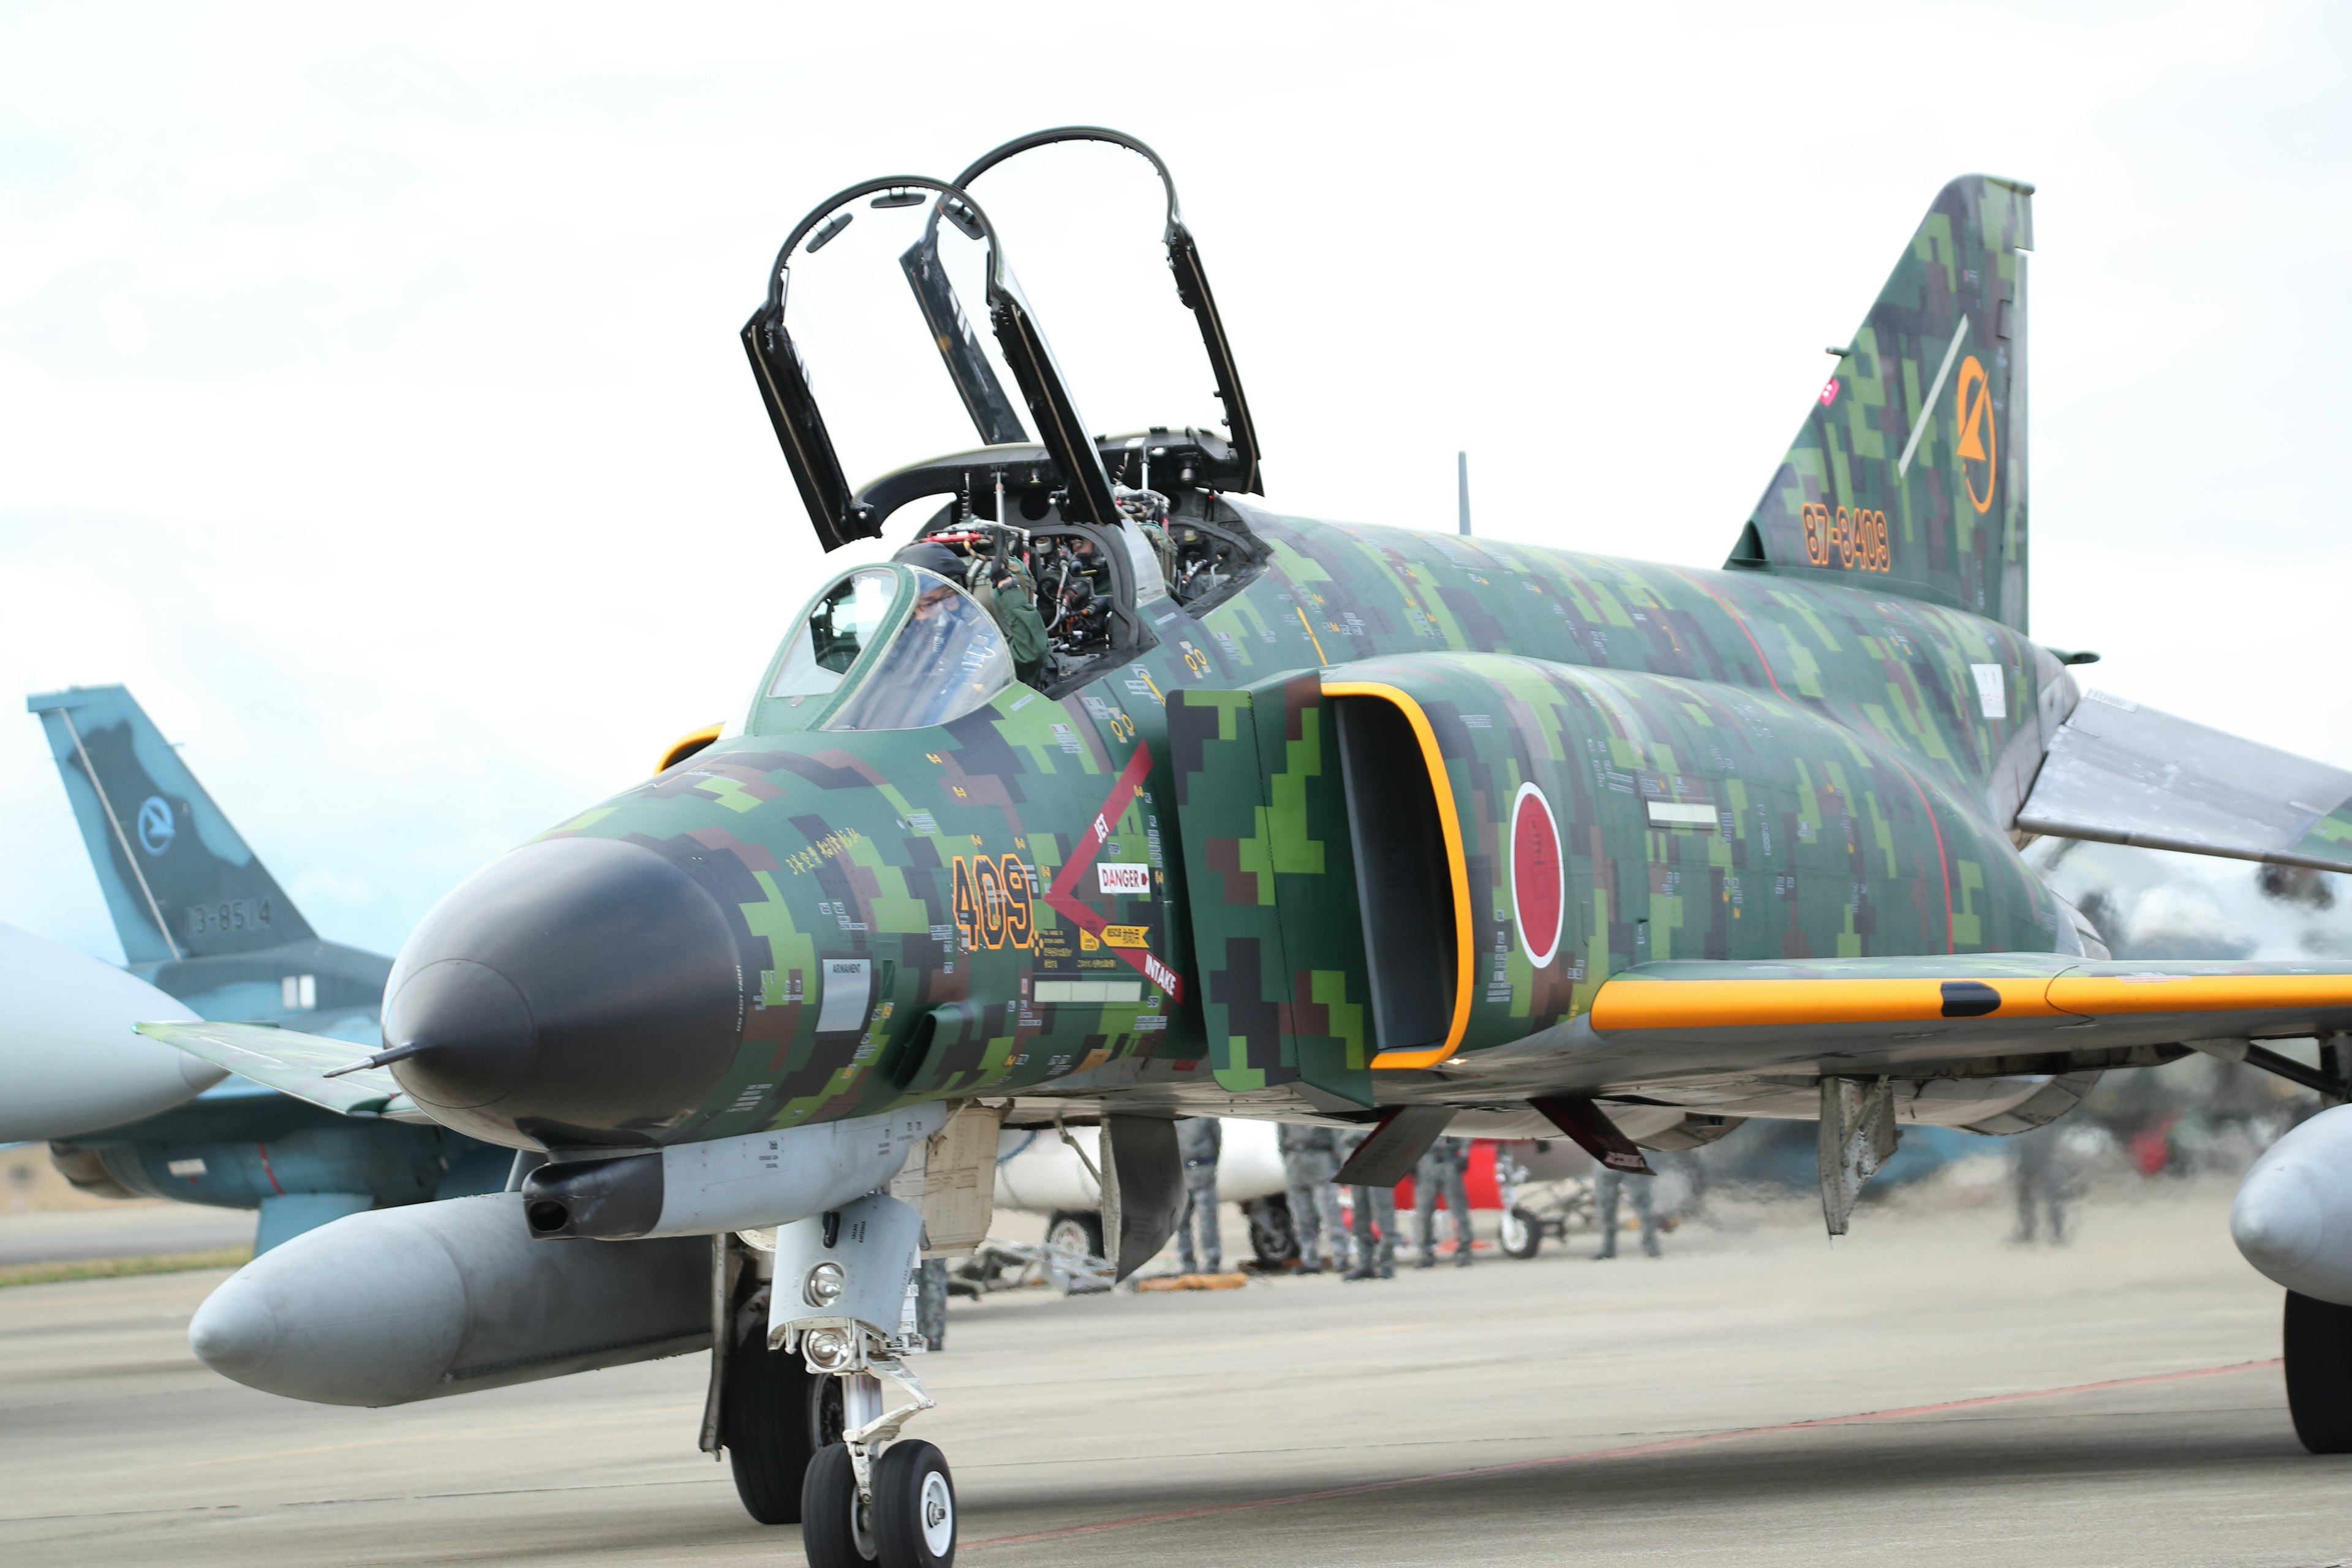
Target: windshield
843,625
947,659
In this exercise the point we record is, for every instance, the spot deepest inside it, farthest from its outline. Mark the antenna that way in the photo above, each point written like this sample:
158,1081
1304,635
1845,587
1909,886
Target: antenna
1462,475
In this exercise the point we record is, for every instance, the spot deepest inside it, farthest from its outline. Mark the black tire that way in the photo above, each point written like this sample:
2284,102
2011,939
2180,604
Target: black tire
914,1506
775,1414
834,1531
1066,1220
2319,1373
1070,1228
1273,1238
1522,1234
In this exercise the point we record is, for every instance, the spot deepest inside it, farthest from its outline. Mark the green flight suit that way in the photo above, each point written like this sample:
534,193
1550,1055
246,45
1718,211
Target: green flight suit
1024,631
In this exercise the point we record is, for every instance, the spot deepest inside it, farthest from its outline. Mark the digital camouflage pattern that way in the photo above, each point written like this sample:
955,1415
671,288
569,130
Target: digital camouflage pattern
1841,736
1144,892
1912,467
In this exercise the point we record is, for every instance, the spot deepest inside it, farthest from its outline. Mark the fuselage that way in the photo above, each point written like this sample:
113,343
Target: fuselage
1736,765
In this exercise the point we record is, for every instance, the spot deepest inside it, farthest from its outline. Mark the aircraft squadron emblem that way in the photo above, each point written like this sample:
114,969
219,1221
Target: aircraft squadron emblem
1976,452
156,829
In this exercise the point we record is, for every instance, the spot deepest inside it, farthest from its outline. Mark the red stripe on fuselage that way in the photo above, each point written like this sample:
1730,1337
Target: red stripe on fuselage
1062,897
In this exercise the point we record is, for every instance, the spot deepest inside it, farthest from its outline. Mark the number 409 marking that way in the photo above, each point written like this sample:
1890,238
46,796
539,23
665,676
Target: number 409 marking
993,906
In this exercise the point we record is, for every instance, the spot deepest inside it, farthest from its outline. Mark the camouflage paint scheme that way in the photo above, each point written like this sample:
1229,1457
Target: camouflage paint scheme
1838,732
1850,712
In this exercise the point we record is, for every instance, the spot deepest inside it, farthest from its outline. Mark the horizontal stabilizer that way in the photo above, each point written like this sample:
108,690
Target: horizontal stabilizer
296,1064
2122,774
1970,1005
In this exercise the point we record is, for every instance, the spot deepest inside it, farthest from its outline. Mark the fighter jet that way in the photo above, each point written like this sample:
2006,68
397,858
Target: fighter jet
68,1059
202,920
1278,818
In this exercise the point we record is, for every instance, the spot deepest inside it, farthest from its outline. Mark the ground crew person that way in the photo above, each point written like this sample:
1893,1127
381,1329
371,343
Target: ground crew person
1375,1208
1310,1158
1199,1140
2041,1183
1440,1174
1645,1209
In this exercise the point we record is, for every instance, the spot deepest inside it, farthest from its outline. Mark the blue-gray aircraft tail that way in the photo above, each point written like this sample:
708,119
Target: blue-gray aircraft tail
178,880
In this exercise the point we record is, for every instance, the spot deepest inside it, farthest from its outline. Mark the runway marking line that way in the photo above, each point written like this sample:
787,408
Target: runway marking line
1662,1445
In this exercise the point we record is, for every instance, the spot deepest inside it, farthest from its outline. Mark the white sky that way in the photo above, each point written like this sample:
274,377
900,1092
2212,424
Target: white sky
371,401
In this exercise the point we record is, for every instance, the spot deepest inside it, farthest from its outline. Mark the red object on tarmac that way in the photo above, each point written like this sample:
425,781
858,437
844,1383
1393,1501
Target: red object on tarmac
1481,1182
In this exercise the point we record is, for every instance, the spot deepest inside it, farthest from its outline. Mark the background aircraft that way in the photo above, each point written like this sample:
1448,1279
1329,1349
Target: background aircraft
202,920
1036,1173
1294,819
69,1059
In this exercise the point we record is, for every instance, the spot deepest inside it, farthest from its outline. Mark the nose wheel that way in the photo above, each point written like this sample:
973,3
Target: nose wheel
914,1506
845,1299
909,1522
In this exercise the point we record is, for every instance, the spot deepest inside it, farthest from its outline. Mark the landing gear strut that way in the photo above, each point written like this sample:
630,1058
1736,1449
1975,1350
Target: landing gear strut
840,1300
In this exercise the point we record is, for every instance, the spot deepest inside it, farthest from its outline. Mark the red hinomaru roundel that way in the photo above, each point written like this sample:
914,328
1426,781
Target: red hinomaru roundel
1539,896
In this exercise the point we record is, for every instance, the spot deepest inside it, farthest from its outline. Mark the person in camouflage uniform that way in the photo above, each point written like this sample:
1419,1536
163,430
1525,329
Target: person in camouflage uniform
1375,1210
1310,1158
1645,1209
1440,1174
1199,1140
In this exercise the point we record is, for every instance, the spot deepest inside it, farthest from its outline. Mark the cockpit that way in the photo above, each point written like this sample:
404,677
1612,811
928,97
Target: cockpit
1061,542
885,648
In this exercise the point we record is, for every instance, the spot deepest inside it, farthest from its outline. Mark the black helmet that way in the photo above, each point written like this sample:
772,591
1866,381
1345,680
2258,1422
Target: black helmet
930,555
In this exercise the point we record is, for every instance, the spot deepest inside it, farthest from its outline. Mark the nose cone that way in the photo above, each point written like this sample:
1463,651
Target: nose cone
577,991
234,1331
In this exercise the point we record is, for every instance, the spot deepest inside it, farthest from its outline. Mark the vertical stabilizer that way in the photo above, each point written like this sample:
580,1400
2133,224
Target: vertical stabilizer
178,880
1908,476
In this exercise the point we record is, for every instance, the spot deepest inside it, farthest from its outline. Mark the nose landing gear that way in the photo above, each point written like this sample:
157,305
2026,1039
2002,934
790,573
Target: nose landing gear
840,1297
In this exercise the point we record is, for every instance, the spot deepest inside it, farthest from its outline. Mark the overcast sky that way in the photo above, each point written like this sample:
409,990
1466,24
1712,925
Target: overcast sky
371,401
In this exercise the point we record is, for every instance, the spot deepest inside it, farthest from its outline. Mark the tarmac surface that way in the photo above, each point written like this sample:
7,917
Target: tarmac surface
1921,1394
132,1230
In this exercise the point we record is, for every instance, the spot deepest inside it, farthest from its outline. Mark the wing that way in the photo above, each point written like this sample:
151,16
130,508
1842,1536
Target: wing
296,1064
2122,773
1994,1043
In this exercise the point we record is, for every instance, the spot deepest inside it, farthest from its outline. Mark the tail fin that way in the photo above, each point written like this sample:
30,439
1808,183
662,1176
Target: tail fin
178,881
1910,472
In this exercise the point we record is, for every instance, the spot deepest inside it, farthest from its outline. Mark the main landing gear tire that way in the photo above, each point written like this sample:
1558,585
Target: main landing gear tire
836,1527
1522,1233
2319,1373
777,1415
1273,1238
914,1506
1072,1232
1078,1232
